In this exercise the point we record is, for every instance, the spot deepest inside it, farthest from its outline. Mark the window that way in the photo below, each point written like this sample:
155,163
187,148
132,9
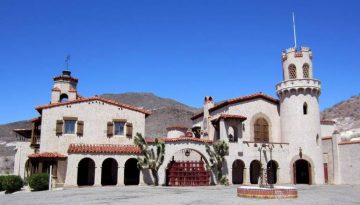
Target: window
261,130
69,126
306,73
305,109
63,98
292,71
119,128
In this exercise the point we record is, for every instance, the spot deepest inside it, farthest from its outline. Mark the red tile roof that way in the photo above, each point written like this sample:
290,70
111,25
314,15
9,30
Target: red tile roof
237,100
177,127
47,155
81,100
66,78
327,138
350,142
179,139
104,148
227,116
327,122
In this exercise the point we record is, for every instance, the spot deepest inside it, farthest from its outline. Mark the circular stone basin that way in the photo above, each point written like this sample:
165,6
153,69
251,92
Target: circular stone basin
278,192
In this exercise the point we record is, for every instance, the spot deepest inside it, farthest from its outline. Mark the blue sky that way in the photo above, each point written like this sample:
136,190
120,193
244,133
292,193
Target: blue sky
179,49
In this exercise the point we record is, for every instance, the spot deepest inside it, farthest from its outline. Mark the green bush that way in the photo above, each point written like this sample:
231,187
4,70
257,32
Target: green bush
1,180
39,182
224,181
12,183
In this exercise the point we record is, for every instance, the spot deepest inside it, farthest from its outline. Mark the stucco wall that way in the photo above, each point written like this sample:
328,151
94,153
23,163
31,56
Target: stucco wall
95,115
349,163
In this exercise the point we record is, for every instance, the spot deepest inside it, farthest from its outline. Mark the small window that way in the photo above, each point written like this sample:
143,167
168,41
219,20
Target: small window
69,126
306,73
292,71
119,128
305,109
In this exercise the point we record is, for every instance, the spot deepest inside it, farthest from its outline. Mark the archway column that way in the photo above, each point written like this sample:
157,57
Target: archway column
247,176
121,171
97,181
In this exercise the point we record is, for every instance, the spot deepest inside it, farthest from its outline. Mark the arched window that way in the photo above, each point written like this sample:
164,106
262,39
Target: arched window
63,98
305,109
292,71
261,130
232,134
306,73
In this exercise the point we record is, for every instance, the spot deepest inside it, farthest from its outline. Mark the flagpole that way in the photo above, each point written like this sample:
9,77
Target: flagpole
294,29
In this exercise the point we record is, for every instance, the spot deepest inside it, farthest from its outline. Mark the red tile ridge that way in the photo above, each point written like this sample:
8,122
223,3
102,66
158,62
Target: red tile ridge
80,100
104,148
350,142
56,89
327,138
327,122
239,99
47,155
179,139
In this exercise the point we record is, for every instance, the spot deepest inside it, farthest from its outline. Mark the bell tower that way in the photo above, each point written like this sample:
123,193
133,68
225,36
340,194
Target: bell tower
300,115
64,88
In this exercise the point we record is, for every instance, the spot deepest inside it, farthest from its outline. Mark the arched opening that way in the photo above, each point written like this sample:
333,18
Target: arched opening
306,69
238,172
86,172
232,134
132,172
255,169
187,168
63,97
292,71
271,171
302,172
261,130
109,172
305,109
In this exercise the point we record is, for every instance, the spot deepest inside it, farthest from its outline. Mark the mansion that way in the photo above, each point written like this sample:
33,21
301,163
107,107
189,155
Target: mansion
87,141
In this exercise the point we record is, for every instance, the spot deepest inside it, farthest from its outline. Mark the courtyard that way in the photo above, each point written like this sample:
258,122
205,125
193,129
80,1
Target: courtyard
327,194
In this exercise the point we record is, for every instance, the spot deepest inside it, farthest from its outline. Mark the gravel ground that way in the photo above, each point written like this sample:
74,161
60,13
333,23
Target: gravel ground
319,195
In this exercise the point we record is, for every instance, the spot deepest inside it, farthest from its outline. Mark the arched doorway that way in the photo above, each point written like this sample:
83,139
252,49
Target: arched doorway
187,168
86,172
132,172
255,169
238,172
109,172
271,171
302,172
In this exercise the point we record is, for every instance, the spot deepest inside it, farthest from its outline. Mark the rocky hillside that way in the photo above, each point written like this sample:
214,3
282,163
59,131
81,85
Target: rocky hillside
346,114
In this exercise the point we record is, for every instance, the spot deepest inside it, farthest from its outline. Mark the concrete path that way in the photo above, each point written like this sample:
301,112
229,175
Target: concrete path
317,195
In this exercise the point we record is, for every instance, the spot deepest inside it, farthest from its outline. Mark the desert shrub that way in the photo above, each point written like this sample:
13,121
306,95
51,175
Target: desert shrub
1,180
12,183
224,181
39,182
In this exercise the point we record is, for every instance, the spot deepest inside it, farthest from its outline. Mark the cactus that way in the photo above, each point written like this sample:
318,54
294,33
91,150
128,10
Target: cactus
217,157
150,159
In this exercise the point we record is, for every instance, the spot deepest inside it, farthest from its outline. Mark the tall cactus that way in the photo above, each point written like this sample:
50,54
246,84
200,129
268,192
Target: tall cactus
150,159
217,157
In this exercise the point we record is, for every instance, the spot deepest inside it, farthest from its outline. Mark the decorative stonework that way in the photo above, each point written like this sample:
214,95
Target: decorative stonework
277,192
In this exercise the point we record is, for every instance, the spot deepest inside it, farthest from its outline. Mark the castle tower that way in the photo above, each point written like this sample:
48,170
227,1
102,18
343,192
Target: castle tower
300,116
64,88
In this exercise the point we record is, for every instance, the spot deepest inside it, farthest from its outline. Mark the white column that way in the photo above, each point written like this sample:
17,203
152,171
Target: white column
222,133
121,172
97,176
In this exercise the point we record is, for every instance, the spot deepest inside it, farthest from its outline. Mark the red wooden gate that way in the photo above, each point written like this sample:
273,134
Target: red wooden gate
326,174
187,173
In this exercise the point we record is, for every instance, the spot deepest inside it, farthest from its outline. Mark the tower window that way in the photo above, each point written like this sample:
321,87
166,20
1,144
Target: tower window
261,130
292,71
63,98
306,73
305,109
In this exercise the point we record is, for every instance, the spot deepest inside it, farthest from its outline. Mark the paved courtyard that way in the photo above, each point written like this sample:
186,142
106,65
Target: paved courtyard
341,195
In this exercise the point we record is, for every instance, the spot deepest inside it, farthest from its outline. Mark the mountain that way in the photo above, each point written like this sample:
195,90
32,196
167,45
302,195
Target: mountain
346,114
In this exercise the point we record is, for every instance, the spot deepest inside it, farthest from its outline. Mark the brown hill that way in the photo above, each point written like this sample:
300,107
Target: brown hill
346,114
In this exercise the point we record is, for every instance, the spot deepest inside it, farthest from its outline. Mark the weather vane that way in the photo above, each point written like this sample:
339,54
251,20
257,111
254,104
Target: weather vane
67,59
